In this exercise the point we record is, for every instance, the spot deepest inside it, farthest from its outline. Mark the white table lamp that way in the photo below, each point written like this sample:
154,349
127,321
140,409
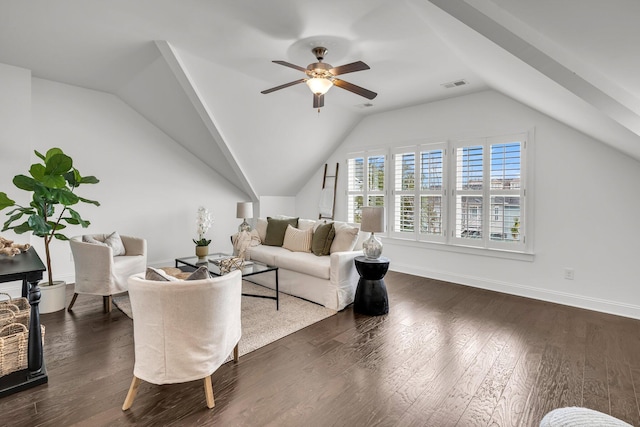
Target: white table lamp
372,221
244,210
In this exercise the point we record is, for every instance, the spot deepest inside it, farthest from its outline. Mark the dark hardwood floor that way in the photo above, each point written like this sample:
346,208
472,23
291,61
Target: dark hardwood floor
445,355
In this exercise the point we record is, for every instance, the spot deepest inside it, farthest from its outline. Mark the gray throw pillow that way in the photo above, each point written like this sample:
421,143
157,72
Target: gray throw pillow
276,228
158,275
114,241
322,239
201,273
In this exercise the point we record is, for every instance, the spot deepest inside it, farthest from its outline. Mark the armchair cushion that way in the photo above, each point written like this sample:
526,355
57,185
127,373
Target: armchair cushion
113,241
158,275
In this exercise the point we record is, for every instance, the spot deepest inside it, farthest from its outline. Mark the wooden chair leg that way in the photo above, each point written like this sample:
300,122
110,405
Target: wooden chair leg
235,353
128,401
208,392
73,301
106,303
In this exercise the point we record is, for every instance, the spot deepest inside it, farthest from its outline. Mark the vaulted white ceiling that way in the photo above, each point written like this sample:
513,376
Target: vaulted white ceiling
196,68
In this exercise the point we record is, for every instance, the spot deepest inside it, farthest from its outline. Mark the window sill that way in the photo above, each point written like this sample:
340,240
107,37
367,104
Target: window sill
461,249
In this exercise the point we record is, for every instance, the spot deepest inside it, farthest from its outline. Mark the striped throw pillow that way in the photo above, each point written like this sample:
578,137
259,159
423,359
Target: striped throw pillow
297,240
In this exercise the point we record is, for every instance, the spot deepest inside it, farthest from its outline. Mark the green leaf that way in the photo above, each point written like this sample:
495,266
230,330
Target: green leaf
5,201
89,180
57,227
75,216
22,228
93,202
37,171
12,218
58,164
39,226
64,196
52,152
72,177
60,236
40,155
71,221
54,181
24,182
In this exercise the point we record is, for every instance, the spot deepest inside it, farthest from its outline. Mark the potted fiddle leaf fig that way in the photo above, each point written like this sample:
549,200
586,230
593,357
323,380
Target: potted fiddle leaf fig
52,184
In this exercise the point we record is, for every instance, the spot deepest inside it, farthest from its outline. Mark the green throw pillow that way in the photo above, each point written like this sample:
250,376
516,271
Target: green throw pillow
322,239
276,229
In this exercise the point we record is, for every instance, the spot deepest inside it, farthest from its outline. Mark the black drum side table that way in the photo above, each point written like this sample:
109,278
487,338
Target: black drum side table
371,294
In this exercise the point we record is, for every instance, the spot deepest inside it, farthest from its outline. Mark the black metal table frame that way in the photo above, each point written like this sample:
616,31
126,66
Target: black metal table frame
269,268
28,268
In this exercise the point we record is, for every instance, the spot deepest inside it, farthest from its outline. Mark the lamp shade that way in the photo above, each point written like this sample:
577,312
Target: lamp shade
372,219
244,210
319,85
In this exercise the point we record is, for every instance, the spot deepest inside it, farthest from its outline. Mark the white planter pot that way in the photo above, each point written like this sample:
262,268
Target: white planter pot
53,297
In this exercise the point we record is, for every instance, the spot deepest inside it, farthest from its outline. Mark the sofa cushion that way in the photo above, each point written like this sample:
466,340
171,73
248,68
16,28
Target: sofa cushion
265,254
261,228
276,229
297,240
305,263
345,238
305,224
322,239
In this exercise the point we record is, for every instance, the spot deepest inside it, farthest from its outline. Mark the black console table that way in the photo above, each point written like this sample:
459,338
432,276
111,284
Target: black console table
27,267
371,295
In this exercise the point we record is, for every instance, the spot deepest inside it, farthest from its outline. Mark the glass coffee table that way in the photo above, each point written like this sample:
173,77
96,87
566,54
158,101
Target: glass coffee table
250,269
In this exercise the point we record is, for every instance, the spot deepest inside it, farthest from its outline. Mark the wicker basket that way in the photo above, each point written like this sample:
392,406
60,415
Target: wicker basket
20,308
14,345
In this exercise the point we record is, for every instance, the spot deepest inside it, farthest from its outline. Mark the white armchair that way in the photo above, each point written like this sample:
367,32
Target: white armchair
98,272
183,331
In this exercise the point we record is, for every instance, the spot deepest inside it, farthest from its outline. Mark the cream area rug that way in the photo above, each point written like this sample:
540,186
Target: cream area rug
261,322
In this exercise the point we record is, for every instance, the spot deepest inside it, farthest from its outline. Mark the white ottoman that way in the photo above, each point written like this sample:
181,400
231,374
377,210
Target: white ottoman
580,417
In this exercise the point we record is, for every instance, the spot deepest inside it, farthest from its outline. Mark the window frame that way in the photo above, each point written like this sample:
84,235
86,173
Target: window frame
366,192
487,193
417,192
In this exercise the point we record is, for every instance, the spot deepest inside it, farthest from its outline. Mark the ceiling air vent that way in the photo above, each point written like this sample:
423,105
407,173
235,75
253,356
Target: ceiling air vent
455,83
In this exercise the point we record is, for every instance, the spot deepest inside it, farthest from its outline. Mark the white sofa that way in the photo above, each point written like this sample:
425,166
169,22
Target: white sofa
329,280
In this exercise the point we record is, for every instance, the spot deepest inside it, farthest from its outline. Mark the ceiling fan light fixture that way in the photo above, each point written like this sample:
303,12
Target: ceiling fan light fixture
319,85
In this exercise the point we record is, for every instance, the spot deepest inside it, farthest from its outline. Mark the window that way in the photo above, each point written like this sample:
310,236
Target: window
366,175
468,193
489,178
418,192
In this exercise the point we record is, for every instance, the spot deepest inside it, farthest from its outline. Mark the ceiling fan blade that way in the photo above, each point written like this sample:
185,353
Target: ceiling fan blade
290,65
349,68
318,100
355,89
282,86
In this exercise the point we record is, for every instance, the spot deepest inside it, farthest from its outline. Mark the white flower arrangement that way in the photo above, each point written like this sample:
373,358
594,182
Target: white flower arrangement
204,220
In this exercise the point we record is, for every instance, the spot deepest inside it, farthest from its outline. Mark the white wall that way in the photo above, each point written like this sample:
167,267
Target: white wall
15,143
582,189
149,185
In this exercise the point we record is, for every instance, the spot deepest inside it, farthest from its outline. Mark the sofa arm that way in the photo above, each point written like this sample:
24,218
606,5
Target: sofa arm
134,245
344,276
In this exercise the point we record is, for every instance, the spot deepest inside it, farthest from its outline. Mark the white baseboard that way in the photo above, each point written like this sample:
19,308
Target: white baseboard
573,300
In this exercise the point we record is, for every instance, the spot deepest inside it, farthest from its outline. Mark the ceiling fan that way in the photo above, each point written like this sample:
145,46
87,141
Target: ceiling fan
322,76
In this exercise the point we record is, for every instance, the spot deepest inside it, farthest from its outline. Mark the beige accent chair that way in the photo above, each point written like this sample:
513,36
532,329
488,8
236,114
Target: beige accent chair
98,272
184,330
